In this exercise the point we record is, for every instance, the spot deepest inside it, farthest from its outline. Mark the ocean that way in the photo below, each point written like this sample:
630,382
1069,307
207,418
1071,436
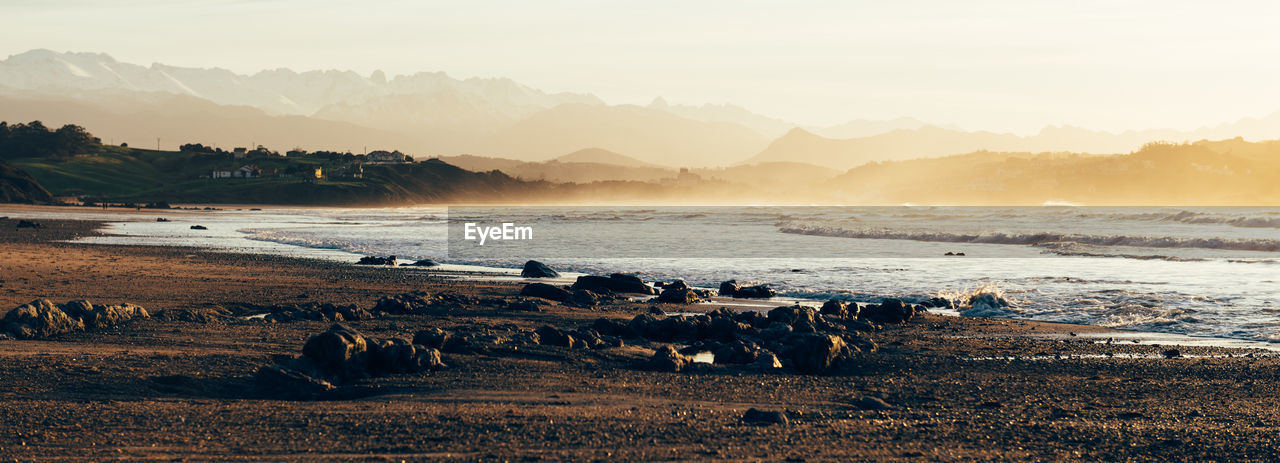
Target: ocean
1193,271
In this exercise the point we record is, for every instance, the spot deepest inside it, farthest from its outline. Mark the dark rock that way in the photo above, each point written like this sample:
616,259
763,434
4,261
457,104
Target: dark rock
424,263
767,361
374,260
617,282
794,315
535,269
679,327
583,298
1171,353
839,309
817,353
676,285
551,336
776,331
610,327
434,338
199,227
161,219
643,325
545,291
752,318
889,311
28,224
939,303
764,418
666,358
655,310
729,288
679,295
726,328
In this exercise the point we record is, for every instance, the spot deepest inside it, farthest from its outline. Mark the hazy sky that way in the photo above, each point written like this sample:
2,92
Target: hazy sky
998,65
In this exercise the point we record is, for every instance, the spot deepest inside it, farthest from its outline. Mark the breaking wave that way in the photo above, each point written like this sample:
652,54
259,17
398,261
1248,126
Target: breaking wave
1041,239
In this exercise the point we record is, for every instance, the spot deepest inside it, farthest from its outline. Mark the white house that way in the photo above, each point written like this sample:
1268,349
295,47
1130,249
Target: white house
385,156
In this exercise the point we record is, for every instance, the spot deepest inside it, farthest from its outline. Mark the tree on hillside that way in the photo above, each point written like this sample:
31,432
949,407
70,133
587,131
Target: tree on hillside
36,140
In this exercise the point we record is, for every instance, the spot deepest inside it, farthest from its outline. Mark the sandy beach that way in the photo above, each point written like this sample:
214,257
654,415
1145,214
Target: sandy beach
180,385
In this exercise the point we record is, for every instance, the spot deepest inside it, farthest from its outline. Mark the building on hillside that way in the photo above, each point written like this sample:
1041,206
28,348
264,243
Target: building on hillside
295,153
242,172
385,156
240,152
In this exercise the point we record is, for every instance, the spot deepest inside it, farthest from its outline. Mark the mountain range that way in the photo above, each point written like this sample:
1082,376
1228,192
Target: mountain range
431,114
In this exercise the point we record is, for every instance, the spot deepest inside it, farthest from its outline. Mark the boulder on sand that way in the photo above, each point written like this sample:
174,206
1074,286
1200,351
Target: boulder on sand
617,282
340,350
535,269
731,288
677,295
889,311
755,292
375,260
545,291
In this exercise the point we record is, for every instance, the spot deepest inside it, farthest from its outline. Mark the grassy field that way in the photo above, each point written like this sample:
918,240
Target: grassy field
120,174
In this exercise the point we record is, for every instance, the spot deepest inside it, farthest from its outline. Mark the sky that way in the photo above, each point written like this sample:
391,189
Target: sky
1012,66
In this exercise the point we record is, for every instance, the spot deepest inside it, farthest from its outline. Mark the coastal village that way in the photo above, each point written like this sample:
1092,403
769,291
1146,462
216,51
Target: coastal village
353,169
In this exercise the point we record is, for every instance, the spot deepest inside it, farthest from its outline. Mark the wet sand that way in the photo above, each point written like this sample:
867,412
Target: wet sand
958,388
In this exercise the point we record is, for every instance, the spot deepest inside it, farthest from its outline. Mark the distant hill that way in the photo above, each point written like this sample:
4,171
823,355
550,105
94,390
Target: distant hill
1206,173
602,156
649,135
480,163
800,145
17,186
139,118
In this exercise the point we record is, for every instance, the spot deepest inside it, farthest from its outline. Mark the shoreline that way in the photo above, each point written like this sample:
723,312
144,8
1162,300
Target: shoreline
509,276
953,387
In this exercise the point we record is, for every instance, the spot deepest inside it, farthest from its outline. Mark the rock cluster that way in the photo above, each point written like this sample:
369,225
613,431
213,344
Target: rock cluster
680,293
794,336
375,260
340,355
731,288
42,318
421,301
315,311
485,341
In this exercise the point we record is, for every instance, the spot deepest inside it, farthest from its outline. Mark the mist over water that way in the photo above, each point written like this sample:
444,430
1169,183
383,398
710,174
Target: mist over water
1196,271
